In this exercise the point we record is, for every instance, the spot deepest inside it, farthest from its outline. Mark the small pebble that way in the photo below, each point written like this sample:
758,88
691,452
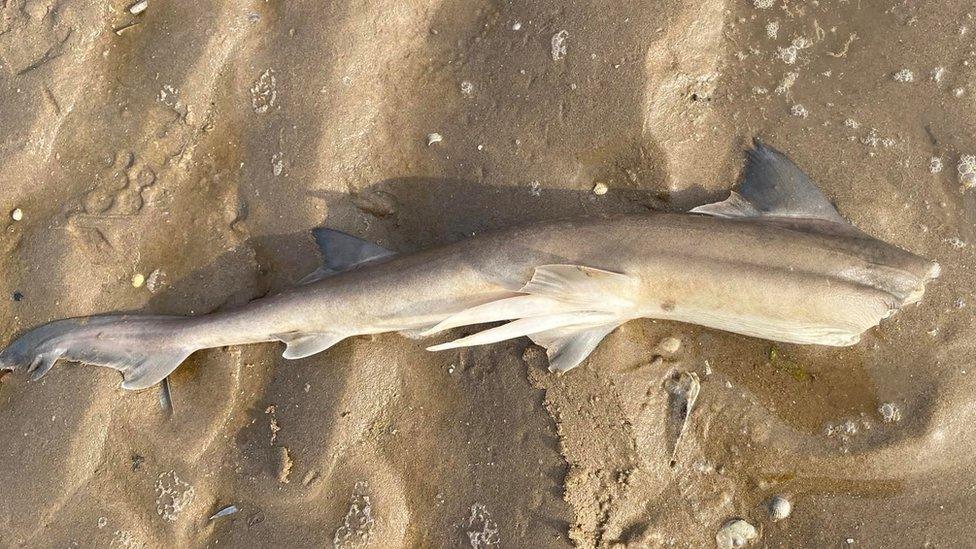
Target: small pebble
18,296
669,345
17,214
779,508
138,280
600,189
139,7
434,138
310,477
283,464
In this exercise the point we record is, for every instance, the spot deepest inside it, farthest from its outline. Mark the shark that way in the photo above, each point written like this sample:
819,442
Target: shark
774,260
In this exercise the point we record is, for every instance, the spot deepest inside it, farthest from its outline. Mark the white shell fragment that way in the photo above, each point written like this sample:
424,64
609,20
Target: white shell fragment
139,7
735,533
779,508
967,171
17,214
138,280
890,412
155,280
683,389
600,189
559,48
904,75
434,138
226,511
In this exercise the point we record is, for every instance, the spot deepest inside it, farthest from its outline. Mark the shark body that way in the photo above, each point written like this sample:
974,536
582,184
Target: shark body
775,260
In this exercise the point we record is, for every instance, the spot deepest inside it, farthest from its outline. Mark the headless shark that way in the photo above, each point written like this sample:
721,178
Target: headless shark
775,260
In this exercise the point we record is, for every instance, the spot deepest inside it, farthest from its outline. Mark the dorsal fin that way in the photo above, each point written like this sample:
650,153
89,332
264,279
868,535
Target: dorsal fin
772,185
341,252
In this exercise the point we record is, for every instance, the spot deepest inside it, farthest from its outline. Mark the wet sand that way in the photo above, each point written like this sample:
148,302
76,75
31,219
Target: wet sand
194,146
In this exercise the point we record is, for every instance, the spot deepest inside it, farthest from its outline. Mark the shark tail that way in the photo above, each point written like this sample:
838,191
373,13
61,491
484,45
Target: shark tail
145,349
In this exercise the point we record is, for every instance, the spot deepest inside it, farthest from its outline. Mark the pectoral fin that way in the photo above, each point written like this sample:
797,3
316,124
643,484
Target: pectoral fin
568,309
586,287
523,306
523,327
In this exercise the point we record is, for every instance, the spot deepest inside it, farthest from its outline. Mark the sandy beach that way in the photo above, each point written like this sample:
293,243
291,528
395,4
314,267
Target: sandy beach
172,157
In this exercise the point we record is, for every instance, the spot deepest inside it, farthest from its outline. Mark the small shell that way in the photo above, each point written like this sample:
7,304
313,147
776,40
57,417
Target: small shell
434,138
600,189
17,214
138,280
735,533
779,508
139,7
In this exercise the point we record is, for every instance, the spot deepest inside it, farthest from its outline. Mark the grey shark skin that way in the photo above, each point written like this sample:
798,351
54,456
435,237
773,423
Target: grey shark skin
775,261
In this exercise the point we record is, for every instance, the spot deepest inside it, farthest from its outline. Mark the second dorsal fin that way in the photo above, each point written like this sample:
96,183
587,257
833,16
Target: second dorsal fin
773,185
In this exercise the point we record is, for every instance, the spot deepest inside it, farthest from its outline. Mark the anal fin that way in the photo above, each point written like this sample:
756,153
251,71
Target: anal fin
301,345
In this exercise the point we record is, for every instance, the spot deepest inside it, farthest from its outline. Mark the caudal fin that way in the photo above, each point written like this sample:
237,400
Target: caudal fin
145,349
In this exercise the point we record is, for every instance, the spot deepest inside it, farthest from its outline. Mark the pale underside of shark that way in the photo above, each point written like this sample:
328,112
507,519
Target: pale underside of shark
775,261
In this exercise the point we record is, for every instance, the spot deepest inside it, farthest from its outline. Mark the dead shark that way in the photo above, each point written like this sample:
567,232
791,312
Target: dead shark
775,260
